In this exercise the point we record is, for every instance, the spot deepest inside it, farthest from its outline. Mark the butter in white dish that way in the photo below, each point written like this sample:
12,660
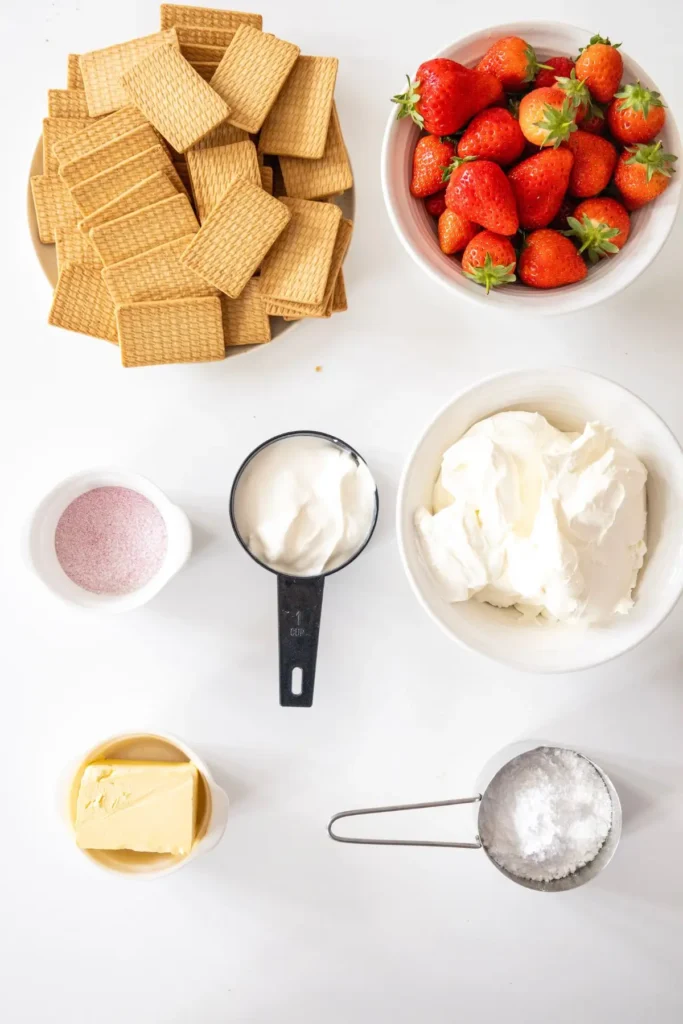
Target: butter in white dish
525,515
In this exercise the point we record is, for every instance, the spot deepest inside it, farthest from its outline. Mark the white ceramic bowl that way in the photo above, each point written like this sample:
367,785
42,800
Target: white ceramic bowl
212,803
416,228
39,542
568,398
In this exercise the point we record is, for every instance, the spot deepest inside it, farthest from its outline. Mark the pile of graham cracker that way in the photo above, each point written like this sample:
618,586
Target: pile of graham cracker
187,184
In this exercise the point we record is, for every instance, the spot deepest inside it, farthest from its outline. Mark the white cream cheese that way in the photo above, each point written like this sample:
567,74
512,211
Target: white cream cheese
525,515
304,506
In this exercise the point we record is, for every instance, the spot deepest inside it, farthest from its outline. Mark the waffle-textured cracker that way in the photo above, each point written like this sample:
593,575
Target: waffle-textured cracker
173,331
267,179
223,135
279,307
205,70
213,170
174,98
74,78
190,34
117,240
99,190
298,123
98,132
66,103
297,267
245,321
155,275
72,246
137,140
150,190
54,205
206,17
236,236
339,303
196,52
54,130
251,74
82,303
103,70
312,179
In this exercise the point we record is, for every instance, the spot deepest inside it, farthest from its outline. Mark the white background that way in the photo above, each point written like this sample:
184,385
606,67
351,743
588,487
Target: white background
279,924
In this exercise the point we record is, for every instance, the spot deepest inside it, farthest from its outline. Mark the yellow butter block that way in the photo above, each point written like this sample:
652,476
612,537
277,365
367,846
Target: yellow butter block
147,806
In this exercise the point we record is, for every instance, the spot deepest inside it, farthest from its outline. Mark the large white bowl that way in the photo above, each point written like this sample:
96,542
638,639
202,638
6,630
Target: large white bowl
415,227
568,398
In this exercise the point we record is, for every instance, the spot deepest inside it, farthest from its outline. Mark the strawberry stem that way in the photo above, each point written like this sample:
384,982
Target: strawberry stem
558,124
638,98
407,103
491,275
652,157
595,237
532,64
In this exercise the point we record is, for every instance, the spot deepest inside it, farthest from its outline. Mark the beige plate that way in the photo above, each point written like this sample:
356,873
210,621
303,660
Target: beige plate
48,259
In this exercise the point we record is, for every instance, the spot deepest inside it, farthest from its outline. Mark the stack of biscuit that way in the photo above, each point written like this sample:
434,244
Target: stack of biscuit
187,179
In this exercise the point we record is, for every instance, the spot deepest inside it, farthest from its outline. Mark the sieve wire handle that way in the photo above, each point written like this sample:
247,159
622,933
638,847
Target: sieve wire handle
404,842
300,602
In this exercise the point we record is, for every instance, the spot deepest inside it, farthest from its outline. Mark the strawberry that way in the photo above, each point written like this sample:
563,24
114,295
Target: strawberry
445,95
479,191
513,62
560,221
494,135
594,162
554,66
431,158
636,114
643,172
547,117
592,120
602,226
549,260
600,66
587,110
455,232
539,185
435,205
490,260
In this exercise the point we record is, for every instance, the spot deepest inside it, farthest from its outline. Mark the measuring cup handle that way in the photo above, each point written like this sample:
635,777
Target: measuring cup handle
476,845
300,603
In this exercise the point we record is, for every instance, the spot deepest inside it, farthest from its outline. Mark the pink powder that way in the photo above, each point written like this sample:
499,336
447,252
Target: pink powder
111,540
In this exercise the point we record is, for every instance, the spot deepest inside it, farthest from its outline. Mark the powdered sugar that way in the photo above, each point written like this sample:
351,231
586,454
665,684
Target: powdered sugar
545,814
111,540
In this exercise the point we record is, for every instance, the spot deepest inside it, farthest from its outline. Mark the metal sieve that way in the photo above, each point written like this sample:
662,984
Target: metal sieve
573,881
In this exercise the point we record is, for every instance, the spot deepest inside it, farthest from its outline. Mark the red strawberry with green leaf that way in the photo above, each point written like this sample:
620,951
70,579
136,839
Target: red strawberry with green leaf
547,117
490,260
513,62
480,191
549,260
602,226
431,158
455,232
643,173
445,95
636,114
553,68
600,66
493,134
540,184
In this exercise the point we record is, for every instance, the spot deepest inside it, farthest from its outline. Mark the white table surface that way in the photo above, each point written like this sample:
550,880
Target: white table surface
278,924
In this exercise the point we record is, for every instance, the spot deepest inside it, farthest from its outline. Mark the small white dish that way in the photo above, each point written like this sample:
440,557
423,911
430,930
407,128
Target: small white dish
40,551
415,228
212,803
568,398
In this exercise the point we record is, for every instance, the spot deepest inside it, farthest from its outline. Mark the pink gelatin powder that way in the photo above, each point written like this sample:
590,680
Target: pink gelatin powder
111,540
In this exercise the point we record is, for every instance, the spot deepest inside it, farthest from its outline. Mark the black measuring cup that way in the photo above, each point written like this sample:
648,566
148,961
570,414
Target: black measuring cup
300,598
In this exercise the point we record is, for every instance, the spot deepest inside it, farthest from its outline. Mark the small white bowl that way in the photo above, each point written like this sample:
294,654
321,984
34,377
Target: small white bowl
212,803
41,556
650,226
568,398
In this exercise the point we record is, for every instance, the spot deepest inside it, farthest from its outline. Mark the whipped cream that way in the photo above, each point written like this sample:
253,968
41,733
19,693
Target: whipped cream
525,515
304,506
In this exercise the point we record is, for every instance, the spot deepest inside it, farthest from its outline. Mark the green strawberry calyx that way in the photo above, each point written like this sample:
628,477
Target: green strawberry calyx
576,91
513,106
558,123
595,237
491,275
598,39
456,162
532,64
637,98
407,103
652,158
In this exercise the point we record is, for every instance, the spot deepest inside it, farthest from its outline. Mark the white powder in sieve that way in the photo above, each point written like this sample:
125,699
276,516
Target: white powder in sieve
545,814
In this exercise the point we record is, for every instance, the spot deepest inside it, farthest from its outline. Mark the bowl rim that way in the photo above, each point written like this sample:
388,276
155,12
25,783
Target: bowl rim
577,373
584,297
